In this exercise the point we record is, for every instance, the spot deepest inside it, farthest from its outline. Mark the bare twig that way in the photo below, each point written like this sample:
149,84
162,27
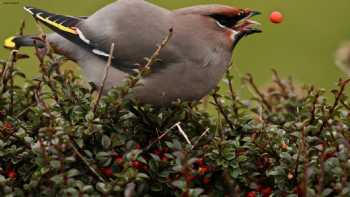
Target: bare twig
279,82
162,136
322,172
76,151
200,137
306,163
41,102
338,97
222,111
178,125
156,54
21,29
347,106
103,82
232,93
11,64
313,109
250,80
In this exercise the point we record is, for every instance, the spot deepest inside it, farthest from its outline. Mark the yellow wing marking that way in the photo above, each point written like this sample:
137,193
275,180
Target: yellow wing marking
57,25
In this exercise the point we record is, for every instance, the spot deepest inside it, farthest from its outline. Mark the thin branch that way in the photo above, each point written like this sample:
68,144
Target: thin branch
250,80
11,64
222,111
200,137
184,134
76,151
21,29
279,82
232,93
313,109
340,93
156,54
162,136
103,83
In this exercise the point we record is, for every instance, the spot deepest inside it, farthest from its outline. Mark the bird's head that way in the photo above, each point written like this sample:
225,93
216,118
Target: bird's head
236,23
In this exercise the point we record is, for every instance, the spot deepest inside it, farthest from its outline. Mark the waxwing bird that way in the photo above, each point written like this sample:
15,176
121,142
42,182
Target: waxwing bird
191,64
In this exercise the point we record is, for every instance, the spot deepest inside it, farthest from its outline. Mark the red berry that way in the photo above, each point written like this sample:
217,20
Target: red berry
190,178
119,160
11,174
157,152
206,180
138,146
136,164
7,125
203,170
200,162
107,171
329,155
165,158
165,150
276,17
251,194
266,192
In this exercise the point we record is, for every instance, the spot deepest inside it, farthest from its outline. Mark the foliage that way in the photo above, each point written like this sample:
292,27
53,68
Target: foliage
57,139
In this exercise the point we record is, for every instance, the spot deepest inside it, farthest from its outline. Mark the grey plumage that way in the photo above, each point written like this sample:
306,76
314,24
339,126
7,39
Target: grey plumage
191,64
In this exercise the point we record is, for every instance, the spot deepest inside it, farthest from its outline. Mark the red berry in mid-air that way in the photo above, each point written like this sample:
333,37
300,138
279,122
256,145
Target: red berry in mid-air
276,17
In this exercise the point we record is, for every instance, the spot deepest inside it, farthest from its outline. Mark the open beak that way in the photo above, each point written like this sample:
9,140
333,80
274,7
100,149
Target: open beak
247,26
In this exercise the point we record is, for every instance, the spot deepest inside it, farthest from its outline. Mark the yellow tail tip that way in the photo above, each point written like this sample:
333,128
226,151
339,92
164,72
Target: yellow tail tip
9,42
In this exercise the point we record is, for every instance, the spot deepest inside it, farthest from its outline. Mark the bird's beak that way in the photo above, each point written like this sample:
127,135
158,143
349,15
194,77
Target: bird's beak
247,26
16,42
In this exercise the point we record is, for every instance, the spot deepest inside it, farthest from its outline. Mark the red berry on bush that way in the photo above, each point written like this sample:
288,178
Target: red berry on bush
165,150
203,170
190,178
137,165
119,160
157,152
251,194
7,125
200,162
107,171
206,180
11,174
329,155
266,192
165,158
138,146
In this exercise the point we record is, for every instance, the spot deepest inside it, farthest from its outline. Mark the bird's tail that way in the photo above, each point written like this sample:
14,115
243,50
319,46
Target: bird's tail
16,42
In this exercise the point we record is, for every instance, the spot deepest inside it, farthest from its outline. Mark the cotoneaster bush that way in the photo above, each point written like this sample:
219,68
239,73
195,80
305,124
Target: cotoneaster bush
58,138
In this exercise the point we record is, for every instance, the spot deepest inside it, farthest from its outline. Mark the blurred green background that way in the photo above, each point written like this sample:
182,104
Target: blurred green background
302,47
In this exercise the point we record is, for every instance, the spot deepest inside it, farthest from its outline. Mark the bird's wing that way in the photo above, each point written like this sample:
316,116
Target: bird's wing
66,26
